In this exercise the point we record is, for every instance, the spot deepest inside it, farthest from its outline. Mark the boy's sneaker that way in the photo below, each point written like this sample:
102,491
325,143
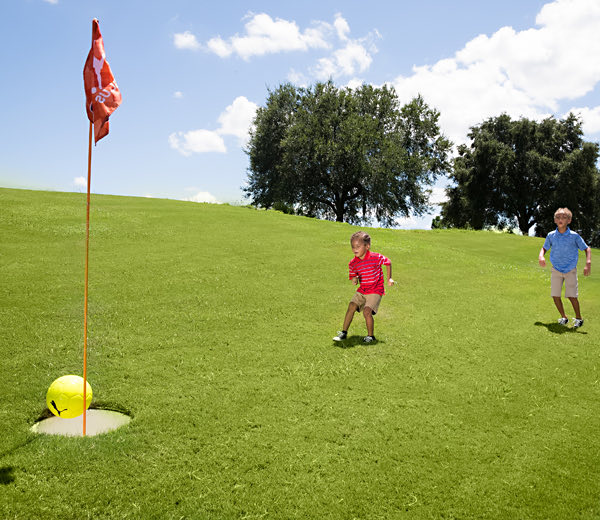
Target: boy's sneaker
369,339
341,336
577,323
563,321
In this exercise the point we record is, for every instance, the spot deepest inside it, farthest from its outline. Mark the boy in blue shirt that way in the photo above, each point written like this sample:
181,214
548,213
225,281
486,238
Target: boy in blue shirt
565,245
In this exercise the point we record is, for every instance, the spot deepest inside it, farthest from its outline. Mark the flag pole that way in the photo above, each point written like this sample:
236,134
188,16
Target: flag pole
85,297
102,97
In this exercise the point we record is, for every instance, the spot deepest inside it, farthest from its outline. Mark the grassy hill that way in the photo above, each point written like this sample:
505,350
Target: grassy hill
211,325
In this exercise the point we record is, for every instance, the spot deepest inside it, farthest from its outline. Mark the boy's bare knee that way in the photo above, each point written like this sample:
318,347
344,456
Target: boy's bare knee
367,311
352,307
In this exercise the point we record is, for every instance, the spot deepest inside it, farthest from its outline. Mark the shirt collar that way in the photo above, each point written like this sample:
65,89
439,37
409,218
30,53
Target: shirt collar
358,259
567,232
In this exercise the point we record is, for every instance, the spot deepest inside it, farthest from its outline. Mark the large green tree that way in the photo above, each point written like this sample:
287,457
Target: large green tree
345,154
521,171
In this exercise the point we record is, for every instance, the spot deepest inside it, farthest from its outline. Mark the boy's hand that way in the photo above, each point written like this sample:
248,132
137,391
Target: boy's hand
587,270
391,282
355,281
542,261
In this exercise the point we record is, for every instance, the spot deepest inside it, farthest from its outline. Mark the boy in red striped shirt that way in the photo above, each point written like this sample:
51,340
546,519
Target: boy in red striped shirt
366,270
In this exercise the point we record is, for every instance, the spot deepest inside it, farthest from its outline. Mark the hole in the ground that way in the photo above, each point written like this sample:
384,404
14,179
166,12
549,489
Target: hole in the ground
97,421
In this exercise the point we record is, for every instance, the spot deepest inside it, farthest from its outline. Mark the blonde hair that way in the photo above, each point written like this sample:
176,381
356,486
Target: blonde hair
361,236
565,211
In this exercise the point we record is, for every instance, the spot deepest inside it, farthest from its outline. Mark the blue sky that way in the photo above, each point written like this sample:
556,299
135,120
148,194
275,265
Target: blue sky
192,73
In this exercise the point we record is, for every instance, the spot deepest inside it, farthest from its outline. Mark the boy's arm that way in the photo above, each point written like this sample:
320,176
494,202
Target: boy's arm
353,275
389,273
542,259
587,270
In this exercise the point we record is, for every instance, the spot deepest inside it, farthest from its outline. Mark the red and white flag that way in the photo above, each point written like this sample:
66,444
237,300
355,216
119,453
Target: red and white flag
102,95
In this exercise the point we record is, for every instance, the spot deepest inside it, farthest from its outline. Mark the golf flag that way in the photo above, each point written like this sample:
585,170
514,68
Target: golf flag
102,95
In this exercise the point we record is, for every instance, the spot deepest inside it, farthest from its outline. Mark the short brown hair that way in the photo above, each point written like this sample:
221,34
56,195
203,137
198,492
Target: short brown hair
566,211
365,238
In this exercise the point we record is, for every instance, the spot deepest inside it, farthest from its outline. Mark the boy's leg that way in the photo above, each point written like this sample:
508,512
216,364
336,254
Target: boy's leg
556,284
571,291
369,321
559,305
575,304
352,308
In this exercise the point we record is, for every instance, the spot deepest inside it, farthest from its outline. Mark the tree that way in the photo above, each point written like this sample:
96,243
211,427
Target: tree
522,171
343,154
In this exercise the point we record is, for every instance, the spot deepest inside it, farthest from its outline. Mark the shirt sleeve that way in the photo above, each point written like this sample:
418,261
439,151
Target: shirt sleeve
352,272
386,261
581,243
548,243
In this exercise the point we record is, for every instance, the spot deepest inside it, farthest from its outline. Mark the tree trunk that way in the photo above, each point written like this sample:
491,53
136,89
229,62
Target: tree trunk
339,210
524,225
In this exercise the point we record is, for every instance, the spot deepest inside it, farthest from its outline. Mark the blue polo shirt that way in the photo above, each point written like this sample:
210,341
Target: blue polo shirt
564,249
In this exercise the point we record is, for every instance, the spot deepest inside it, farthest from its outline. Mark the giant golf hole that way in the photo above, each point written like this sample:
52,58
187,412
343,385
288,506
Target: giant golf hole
97,421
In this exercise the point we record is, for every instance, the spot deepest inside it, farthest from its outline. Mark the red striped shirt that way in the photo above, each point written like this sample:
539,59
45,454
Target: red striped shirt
369,272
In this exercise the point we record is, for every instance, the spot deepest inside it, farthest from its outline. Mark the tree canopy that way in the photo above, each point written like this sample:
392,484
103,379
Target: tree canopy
521,171
345,154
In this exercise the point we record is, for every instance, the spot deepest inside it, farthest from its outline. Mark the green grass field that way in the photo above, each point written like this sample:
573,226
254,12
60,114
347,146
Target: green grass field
211,326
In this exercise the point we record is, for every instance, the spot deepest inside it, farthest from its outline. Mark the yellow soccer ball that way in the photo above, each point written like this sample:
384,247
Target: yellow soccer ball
65,397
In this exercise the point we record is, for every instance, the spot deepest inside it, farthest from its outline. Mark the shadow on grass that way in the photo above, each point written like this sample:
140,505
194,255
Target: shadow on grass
30,438
557,328
6,475
356,341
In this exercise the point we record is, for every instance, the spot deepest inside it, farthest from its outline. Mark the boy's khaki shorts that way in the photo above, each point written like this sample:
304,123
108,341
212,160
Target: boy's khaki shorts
366,300
556,283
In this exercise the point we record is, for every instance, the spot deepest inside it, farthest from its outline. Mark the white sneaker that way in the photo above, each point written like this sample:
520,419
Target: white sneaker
369,339
341,336
577,323
563,321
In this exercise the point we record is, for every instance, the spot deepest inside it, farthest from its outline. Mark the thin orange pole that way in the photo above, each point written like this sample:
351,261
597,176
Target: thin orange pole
85,297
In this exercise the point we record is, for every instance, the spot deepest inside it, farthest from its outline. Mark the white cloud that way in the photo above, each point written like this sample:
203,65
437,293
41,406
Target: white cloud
414,222
53,2
352,58
220,47
590,118
356,55
355,83
237,118
438,195
197,141
341,27
186,40
263,35
203,196
297,78
178,94
80,182
525,74
466,96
